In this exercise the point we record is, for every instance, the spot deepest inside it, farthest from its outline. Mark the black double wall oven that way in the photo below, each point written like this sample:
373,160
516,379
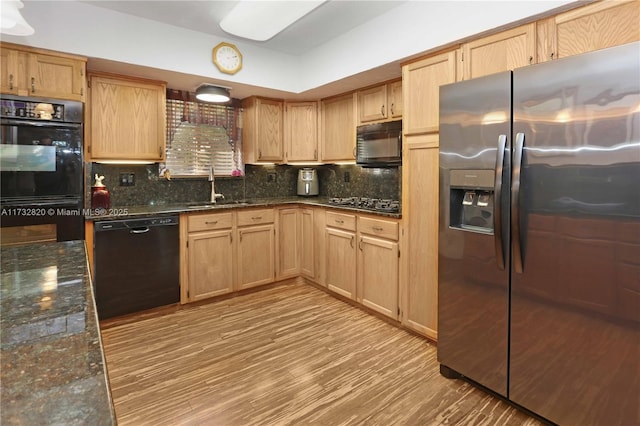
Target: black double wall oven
41,167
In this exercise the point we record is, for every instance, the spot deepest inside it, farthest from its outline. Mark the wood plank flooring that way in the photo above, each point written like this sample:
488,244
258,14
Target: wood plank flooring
288,355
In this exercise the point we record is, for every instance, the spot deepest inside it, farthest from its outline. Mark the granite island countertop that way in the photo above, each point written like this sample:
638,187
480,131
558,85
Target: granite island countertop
131,212
53,368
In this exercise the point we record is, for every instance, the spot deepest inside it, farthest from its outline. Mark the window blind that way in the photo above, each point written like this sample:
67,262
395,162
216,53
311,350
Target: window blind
200,135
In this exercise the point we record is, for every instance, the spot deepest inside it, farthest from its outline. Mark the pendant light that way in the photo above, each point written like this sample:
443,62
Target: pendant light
214,94
12,22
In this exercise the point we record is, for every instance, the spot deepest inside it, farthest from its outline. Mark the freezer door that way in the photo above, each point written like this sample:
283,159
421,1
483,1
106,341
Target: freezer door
575,301
473,292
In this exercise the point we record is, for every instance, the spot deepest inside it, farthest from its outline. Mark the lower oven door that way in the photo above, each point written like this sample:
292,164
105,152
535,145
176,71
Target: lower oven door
42,220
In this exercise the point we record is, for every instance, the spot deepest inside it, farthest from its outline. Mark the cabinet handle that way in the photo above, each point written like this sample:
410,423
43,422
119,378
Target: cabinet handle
354,152
315,154
230,238
210,222
378,228
553,54
339,221
160,151
256,217
382,110
240,236
392,109
10,81
259,154
360,244
531,59
352,238
33,84
81,91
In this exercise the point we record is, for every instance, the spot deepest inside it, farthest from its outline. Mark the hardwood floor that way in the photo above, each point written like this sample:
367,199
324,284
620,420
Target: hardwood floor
291,354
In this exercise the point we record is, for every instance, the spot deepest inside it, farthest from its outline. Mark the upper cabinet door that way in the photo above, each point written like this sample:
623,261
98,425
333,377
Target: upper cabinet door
338,127
421,81
301,131
127,119
504,51
394,101
56,77
592,27
263,130
372,104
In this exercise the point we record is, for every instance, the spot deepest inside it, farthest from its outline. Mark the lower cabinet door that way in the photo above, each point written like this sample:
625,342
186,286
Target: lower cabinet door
378,269
256,248
341,262
210,264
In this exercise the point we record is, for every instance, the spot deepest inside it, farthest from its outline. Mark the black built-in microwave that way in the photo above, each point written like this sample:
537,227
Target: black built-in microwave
379,145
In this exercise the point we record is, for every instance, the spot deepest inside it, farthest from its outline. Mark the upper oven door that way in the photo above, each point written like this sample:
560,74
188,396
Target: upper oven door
39,159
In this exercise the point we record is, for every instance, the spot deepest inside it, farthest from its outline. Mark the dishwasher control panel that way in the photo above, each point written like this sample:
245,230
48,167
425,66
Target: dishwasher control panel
108,225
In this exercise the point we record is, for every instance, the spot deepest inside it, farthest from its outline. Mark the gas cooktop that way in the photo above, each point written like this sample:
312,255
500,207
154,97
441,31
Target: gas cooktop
375,204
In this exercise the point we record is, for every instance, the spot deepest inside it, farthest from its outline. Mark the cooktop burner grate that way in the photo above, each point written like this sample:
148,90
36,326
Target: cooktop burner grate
375,204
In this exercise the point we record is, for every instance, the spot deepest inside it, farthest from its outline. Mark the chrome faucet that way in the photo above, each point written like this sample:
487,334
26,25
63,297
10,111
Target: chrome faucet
212,179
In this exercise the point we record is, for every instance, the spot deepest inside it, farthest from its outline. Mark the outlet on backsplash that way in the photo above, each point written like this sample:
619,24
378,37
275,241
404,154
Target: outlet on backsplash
347,176
127,179
271,176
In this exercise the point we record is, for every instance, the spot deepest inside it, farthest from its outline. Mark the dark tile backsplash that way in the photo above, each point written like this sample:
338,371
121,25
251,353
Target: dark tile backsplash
258,182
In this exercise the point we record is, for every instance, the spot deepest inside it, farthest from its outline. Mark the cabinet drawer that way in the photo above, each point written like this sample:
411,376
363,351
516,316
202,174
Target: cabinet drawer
207,222
341,220
381,228
255,217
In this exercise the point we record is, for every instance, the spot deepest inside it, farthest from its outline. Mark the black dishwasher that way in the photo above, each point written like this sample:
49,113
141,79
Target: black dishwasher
137,264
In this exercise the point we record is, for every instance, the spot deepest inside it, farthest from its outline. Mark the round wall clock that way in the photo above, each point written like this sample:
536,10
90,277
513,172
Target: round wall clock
227,58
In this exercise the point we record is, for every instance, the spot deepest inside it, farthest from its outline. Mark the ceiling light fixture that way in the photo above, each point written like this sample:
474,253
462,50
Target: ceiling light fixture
211,93
261,20
11,21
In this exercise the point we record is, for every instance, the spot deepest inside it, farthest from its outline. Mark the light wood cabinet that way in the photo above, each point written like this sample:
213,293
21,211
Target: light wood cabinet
209,256
380,103
40,73
419,271
127,118
585,29
378,265
503,51
301,131
262,130
289,242
307,243
256,247
340,255
421,86
338,128
395,100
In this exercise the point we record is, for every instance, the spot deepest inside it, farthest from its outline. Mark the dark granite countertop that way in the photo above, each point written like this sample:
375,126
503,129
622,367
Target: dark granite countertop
159,209
53,368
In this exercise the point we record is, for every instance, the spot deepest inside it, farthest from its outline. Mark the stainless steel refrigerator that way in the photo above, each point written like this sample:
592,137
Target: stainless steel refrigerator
539,245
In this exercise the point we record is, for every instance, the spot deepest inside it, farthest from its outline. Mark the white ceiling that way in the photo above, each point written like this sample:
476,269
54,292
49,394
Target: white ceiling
323,24
340,46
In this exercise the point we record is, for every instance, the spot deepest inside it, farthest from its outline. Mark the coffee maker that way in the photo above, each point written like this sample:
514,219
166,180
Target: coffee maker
307,181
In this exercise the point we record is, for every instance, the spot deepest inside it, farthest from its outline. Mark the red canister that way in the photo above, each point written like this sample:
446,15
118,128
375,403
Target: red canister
100,197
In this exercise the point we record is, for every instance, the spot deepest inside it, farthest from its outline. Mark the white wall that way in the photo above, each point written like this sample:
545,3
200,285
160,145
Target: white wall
409,29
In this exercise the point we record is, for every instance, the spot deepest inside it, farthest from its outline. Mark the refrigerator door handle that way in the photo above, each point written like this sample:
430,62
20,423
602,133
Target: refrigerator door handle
497,202
515,203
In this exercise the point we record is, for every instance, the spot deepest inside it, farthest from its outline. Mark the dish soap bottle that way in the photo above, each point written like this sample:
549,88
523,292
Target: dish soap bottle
100,197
